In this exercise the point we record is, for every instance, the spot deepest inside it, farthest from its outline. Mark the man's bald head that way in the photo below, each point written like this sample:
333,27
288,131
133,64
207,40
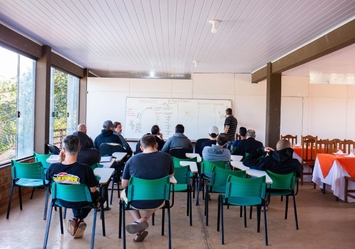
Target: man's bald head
283,144
82,128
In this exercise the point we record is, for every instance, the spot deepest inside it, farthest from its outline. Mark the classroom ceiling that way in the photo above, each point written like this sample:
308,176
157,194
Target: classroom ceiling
173,38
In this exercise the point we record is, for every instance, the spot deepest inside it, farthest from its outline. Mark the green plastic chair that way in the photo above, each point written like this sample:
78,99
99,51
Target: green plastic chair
176,163
243,192
218,182
182,176
27,175
96,165
284,185
72,193
43,159
143,189
205,174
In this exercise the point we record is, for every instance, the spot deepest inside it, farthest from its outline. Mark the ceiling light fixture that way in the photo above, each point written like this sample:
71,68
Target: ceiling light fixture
195,63
214,23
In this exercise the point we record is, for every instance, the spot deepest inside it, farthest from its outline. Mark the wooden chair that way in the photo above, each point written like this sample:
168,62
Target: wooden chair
292,139
308,155
325,146
338,144
238,137
348,192
348,146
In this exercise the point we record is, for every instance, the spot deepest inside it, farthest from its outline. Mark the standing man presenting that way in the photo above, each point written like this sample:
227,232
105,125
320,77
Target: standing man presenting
230,126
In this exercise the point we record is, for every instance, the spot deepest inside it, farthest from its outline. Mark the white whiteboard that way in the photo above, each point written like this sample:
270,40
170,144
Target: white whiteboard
196,115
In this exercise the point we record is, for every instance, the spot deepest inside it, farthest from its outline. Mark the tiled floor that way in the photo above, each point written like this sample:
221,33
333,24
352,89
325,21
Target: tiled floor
324,223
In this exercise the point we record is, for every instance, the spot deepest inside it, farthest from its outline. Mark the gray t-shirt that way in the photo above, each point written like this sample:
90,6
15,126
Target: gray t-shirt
216,153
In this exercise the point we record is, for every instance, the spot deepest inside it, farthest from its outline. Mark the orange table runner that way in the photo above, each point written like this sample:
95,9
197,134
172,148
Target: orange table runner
297,150
348,164
326,162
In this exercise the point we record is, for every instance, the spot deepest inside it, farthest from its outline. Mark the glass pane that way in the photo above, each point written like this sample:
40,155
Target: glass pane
8,95
25,108
72,103
58,126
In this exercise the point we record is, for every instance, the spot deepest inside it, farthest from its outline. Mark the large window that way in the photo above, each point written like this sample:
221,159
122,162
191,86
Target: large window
64,105
17,79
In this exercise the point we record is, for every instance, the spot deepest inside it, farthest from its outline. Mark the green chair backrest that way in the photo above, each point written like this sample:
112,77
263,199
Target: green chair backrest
27,170
182,175
177,160
245,191
143,189
96,165
282,181
207,166
219,176
42,158
71,192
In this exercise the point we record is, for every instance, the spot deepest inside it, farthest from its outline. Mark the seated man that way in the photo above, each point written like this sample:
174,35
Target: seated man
117,130
217,152
248,145
69,171
243,136
213,133
151,164
107,135
279,161
177,140
155,131
88,154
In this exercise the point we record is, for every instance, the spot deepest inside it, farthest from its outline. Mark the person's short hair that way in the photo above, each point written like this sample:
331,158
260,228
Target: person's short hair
213,131
179,128
115,124
148,140
229,111
251,133
222,139
71,144
155,129
242,131
107,125
283,144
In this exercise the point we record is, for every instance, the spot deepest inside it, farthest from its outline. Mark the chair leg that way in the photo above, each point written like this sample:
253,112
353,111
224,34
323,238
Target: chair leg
245,215
206,206
10,200
169,228
258,212
189,205
198,191
295,210
46,204
102,216
222,220
265,226
123,227
346,190
61,220
112,189
286,209
33,190
92,243
218,213
48,226
20,196
162,221
120,220
251,212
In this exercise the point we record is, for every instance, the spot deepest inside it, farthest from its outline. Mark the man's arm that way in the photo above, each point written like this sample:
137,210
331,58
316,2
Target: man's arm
166,146
226,128
124,183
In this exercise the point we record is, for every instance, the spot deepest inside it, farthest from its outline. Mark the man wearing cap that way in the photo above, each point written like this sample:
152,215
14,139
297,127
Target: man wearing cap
213,133
217,152
106,135
248,145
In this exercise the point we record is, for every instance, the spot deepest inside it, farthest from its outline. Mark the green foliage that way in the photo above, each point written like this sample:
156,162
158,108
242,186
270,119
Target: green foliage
8,95
60,99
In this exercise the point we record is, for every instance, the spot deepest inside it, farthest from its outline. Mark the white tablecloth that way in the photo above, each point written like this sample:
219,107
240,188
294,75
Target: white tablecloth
334,180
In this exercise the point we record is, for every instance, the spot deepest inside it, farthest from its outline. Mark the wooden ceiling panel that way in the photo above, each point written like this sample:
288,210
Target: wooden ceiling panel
117,37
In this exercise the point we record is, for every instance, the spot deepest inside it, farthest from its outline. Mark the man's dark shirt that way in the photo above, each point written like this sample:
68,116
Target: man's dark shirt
279,162
232,122
247,146
106,136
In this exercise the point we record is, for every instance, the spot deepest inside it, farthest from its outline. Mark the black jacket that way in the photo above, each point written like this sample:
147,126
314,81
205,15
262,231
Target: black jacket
279,162
106,136
248,145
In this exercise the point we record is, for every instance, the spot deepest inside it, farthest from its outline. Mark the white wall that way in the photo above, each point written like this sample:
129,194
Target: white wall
323,110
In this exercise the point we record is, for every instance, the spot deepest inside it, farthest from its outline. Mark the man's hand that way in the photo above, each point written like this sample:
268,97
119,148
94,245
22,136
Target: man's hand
61,156
268,149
